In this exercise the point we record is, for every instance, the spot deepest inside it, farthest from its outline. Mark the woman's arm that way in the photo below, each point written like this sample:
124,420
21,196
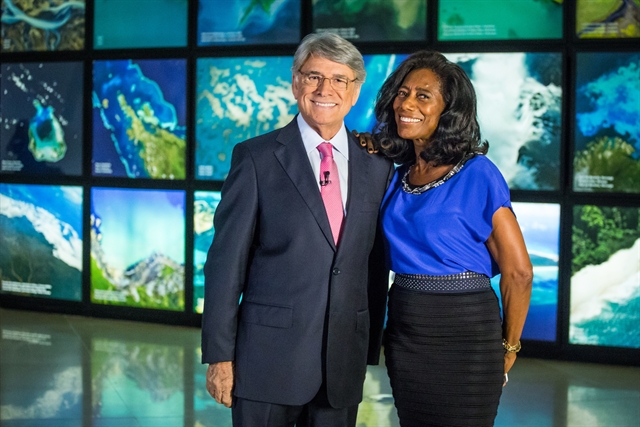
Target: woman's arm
507,247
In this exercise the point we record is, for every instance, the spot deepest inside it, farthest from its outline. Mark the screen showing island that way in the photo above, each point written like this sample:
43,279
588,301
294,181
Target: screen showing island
233,22
607,129
42,25
519,110
139,118
607,18
605,266
540,226
237,99
499,19
122,24
138,247
204,209
372,20
41,117
41,241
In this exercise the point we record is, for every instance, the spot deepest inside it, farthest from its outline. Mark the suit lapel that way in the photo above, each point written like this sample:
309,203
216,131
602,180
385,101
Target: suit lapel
358,183
295,162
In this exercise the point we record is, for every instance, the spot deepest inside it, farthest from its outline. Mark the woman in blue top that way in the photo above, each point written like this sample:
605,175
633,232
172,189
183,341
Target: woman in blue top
449,227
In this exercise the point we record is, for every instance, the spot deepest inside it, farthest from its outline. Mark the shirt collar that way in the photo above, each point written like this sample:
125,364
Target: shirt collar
311,139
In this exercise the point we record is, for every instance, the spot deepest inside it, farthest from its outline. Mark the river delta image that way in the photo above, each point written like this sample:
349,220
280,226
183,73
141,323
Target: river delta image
43,25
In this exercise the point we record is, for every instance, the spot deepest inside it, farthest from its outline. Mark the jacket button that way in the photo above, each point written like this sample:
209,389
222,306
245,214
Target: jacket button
336,271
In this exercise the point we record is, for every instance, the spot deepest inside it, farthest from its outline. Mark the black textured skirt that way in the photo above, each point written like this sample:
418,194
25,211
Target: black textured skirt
445,357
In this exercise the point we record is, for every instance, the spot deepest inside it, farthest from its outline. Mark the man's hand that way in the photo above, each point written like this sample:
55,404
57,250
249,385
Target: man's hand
220,382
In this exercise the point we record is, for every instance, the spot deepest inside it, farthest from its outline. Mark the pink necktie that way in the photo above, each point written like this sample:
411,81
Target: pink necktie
330,189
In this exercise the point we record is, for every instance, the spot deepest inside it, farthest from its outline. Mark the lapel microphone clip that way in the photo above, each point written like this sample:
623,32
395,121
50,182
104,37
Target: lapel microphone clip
326,180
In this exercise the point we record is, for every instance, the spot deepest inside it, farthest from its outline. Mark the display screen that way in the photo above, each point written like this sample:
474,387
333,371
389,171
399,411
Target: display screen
40,25
372,20
605,266
540,226
361,116
607,129
139,118
147,373
41,240
122,24
138,247
519,110
248,22
41,118
499,19
204,209
607,18
520,113
238,99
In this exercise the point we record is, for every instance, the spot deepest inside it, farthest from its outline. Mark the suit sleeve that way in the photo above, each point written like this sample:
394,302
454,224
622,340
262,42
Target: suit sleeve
228,258
378,290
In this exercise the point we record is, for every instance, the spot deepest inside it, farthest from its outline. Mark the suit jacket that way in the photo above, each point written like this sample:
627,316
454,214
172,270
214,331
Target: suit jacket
307,308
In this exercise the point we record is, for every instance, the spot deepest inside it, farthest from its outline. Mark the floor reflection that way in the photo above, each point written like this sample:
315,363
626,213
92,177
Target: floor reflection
149,374
59,371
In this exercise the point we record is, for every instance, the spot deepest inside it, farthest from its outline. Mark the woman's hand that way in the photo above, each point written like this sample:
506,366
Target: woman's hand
509,360
366,141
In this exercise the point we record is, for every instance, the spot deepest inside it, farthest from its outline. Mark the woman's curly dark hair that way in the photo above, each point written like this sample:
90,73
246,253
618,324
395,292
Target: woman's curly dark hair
458,132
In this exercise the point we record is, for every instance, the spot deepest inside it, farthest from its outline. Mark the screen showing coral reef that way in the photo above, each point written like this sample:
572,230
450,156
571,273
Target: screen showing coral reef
41,25
519,110
540,226
605,290
233,22
607,129
41,240
145,370
237,99
204,209
499,19
41,116
139,118
607,18
372,20
138,247
122,24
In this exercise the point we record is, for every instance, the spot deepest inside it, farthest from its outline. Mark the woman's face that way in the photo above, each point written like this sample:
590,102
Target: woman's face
418,106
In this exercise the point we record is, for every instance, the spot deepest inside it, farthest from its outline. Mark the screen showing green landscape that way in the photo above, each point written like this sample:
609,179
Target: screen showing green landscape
499,19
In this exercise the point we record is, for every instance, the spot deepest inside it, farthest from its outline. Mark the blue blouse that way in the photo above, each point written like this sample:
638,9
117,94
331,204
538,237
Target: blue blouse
444,230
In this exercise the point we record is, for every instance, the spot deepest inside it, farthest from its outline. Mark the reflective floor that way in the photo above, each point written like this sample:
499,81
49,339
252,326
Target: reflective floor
60,370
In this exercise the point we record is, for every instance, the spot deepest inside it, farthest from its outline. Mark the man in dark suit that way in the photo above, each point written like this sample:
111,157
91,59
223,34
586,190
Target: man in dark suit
297,238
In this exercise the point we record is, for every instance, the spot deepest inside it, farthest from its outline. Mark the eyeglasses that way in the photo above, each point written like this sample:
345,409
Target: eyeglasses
316,80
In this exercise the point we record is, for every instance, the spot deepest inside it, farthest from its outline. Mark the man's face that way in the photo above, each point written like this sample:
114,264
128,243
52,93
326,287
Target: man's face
323,107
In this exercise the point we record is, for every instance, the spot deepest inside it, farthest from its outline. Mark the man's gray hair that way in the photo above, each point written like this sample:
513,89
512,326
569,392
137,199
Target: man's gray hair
332,47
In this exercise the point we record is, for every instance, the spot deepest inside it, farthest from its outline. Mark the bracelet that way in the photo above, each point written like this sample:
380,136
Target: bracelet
508,348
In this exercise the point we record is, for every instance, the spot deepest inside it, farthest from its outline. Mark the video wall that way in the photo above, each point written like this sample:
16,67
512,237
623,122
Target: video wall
118,120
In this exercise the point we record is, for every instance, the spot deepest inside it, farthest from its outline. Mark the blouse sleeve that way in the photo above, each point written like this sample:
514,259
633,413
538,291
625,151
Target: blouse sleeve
489,192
